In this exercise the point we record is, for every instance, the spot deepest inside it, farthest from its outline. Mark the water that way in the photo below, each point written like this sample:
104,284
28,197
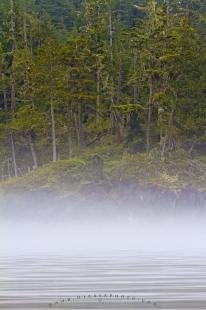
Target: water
172,281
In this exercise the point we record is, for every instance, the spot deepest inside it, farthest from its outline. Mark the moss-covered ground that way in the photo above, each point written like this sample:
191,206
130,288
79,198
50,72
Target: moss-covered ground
112,166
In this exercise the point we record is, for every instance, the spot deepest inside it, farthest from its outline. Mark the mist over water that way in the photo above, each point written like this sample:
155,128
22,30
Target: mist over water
53,249
51,226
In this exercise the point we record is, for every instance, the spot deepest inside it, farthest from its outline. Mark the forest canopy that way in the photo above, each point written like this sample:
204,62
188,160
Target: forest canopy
76,74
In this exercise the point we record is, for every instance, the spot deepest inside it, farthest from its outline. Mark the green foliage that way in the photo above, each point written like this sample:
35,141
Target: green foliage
176,173
72,176
27,119
54,176
75,75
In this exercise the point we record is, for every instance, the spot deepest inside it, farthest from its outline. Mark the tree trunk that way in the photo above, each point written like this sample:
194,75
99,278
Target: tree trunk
118,133
111,54
13,156
70,143
13,95
78,135
110,32
5,100
78,128
25,30
168,11
119,85
167,136
149,117
116,126
12,29
2,173
70,118
98,91
33,152
54,147
8,167
135,92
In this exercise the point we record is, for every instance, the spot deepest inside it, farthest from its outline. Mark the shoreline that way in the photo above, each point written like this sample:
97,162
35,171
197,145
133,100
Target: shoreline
176,305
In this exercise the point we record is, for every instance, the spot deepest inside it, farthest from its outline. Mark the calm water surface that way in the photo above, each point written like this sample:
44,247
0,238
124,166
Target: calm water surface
174,281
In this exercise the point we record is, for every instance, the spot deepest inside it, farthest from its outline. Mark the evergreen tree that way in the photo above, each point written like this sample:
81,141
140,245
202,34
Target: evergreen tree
74,74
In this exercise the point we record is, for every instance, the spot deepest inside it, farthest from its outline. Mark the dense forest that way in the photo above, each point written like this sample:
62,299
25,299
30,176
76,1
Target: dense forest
77,74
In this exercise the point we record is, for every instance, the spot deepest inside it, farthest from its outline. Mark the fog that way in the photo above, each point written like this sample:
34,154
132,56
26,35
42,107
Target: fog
52,227
54,249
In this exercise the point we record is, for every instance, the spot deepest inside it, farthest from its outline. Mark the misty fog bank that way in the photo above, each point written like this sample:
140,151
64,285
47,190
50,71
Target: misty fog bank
121,200
130,233
140,219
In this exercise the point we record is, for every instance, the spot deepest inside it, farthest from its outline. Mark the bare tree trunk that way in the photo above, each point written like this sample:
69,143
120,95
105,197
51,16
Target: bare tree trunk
5,96
163,148
2,173
54,147
12,22
118,127
80,140
168,11
78,134
13,107
149,117
13,91
25,30
110,31
135,92
119,85
192,148
78,128
70,143
12,30
165,139
33,152
111,54
70,118
13,156
8,168
13,95
5,100
187,9
98,91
